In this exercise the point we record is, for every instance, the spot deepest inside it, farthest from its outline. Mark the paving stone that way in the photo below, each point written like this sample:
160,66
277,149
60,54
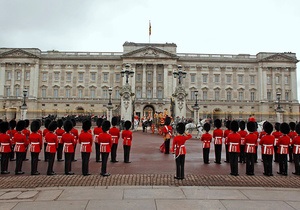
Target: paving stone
10,195
7,206
27,194
264,205
172,193
272,195
121,204
295,205
38,205
213,194
48,195
91,194
189,204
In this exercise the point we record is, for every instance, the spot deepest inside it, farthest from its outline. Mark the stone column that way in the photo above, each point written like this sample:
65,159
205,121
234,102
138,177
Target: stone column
279,116
293,86
126,102
144,82
23,112
180,101
154,81
2,79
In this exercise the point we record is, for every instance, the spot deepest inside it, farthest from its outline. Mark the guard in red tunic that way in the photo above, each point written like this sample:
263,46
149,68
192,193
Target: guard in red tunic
277,134
167,134
226,133
51,140
115,135
45,131
127,140
36,143
180,150
26,132
5,147
218,138
243,134
59,132
21,143
206,138
74,131
250,147
267,149
283,148
296,150
86,142
234,141
97,131
11,132
105,146
292,134
68,141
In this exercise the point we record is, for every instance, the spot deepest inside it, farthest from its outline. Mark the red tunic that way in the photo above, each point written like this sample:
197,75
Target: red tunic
86,141
218,136
105,142
167,131
26,132
243,134
234,141
59,132
266,143
36,142
277,135
206,139
97,131
69,142
283,144
226,133
296,144
5,143
251,143
51,140
115,134
127,137
178,144
11,134
20,141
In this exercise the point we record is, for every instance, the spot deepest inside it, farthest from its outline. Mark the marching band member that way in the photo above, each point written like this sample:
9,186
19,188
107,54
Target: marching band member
283,148
180,150
21,143
218,137
97,131
51,140
11,132
267,148
68,140
250,147
74,131
127,140
292,134
105,146
45,131
206,139
226,132
234,140
26,132
86,141
243,134
277,134
167,133
59,132
5,147
115,135
36,143
296,150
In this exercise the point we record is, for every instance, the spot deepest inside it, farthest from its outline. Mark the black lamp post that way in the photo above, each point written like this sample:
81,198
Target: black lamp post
109,92
278,95
127,72
24,97
179,73
196,95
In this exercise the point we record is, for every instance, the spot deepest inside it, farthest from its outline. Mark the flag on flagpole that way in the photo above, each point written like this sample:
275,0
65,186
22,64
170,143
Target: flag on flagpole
149,28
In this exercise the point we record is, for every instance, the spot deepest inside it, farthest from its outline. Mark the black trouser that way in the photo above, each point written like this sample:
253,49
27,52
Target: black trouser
60,151
250,159
167,146
218,150
25,153
227,153
4,161
45,153
12,153
68,162
267,160
97,149
104,156
180,166
126,153
206,155
51,157
255,155
19,161
276,154
233,158
73,154
297,163
242,154
283,167
34,161
291,154
113,154
85,156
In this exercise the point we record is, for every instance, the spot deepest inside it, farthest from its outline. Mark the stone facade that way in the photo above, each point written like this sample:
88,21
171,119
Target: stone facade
229,86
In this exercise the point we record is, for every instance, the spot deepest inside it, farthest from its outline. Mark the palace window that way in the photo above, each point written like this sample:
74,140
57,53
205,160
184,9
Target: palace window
117,94
193,78
204,78
8,75
7,92
286,80
159,94
44,77
228,78
241,95
93,76
105,93
217,78
93,92
269,95
217,95
149,77
149,93
277,79
204,95
80,77
252,96
17,91
44,94
269,79
105,77
138,93
252,79
55,92
240,79
27,75
56,76
18,76
138,77
118,77
159,77
287,96
80,93
69,77
68,92
228,95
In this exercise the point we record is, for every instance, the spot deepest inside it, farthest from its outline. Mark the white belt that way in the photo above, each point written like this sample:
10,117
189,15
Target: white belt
231,143
5,144
266,146
51,143
250,144
20,143
297,146
35,143
85,142
114,136
282,147
104,144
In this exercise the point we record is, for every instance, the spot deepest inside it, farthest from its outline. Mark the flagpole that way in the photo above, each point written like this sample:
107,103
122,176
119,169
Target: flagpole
149,30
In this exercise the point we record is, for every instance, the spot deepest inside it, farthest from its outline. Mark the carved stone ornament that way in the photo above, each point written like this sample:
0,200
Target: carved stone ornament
126,94
180,94
149,52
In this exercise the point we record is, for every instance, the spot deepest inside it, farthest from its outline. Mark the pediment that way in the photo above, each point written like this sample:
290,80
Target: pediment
149,52
17,53
279,57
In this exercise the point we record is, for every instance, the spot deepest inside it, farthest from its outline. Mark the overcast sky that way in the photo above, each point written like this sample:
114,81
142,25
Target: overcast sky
196,26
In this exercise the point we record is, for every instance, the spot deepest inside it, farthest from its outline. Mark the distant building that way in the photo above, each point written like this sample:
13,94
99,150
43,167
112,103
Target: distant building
66,83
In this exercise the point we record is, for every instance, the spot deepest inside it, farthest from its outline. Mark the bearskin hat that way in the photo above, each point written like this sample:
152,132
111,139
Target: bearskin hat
297,128
52,126
234,126
105,125
20,125
242,125
217,123
227,125
277,126
206,127
4,126
1,120
292,125
251,126
99,122
180,128
167,120
73,122
86,125
35,126
284,128
68,125
268,127
60,123
127,125
26,123
114,121
12,124
47,122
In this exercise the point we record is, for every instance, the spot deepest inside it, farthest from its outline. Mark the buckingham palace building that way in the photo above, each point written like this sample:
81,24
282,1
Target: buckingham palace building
224,86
